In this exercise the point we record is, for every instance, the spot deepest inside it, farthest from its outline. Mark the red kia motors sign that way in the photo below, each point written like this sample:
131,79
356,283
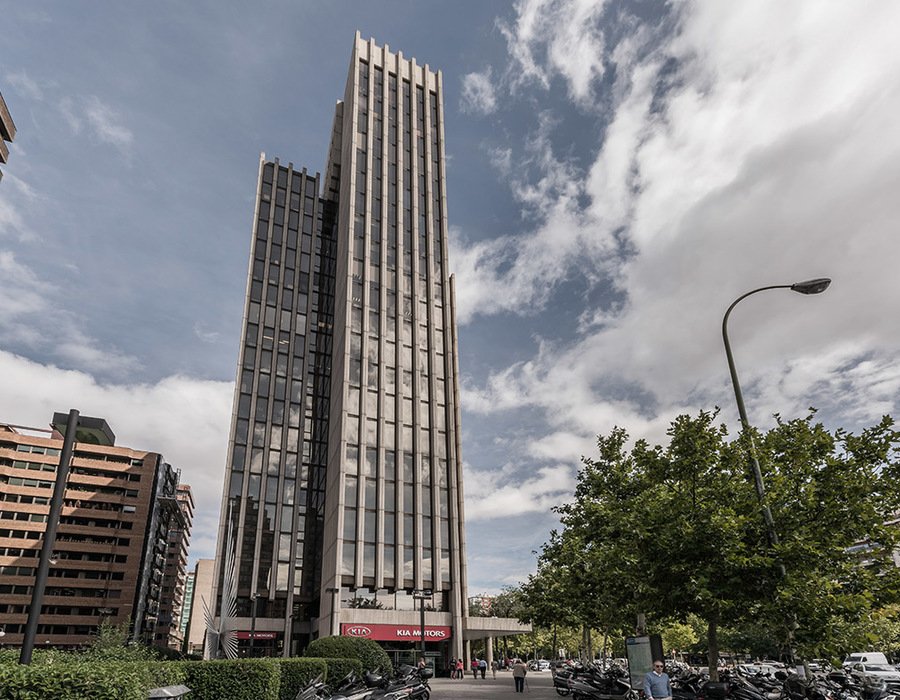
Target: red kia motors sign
396,633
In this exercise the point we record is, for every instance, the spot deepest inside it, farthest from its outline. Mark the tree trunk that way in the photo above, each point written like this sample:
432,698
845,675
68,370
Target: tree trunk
590,645
603,653
712,641
555,649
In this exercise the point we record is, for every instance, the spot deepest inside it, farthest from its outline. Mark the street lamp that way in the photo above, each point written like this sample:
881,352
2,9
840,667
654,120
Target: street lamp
46,555
422,596
813,286
256,597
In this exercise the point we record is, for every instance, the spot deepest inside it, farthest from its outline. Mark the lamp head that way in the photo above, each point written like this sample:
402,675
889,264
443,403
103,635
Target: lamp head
816,286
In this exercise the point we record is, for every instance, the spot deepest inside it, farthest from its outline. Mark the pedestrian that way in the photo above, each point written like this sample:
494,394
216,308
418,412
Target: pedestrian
494,668
422,663
474,668
482,666
519,670
459,668
657,685
452,667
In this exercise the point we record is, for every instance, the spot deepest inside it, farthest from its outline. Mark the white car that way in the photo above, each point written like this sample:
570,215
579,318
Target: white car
874,674
539,665
865,657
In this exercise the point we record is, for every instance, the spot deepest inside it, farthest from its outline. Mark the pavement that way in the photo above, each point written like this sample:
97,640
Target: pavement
539,686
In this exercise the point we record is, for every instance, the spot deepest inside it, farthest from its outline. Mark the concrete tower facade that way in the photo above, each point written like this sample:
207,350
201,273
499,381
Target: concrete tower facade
344,486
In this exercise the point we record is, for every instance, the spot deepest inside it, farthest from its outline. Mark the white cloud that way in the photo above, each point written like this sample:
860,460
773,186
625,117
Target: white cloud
550,486
25,85
771,155
204,334
185,419
478,93
107,125
99,120
16,197
31,317
561,37
518,273
22,292
70,113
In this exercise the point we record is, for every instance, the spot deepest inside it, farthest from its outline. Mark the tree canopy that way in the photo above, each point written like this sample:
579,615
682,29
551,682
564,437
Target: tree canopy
676,531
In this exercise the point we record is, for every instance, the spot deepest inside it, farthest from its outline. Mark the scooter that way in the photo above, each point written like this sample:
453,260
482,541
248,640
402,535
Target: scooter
597,685
410,684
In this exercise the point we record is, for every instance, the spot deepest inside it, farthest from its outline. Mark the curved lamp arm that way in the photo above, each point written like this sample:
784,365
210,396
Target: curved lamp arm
813,286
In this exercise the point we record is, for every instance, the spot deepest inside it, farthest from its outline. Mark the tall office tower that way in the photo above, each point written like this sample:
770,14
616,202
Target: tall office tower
111,545
7,132
344,488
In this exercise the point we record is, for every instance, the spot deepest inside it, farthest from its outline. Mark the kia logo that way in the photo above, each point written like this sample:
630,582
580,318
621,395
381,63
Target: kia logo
358,631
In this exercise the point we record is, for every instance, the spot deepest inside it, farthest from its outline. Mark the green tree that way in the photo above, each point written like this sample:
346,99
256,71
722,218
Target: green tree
834,497
677,531
677,636
111,644
666,531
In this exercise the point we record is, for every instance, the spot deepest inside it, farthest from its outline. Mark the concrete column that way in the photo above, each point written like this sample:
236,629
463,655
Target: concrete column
468,659
489,657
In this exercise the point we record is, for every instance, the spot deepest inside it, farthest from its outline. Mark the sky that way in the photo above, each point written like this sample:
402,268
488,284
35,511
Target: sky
618,173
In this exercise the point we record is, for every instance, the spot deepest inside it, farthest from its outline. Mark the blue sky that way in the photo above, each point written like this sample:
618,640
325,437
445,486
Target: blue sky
618,172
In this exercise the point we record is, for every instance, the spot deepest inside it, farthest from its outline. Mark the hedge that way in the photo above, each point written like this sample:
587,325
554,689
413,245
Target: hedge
368,653
295,673
68,680
238,679
65,678
339,668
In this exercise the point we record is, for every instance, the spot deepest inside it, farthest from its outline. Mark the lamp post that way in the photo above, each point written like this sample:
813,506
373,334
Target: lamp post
813,286
422,596
46,555
256,597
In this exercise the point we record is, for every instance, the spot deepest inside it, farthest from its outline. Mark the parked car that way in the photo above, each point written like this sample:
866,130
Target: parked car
865,657
875,674
539,665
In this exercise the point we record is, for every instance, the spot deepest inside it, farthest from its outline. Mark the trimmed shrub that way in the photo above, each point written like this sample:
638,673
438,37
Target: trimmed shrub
162,673
339,668
295,673
368,653
238,679
74,681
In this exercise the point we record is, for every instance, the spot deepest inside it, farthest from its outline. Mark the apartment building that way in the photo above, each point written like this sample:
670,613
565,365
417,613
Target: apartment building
111,547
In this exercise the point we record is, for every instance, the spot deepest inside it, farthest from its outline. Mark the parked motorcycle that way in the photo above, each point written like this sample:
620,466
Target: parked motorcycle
409,683
595,684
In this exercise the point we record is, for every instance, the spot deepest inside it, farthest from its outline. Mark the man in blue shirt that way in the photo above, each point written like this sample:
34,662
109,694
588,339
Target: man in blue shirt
656,683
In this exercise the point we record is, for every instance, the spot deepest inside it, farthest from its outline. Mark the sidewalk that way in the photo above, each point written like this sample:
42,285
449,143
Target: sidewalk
539,686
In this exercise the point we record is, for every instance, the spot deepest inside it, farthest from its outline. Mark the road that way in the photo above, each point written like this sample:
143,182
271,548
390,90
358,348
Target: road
539,687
